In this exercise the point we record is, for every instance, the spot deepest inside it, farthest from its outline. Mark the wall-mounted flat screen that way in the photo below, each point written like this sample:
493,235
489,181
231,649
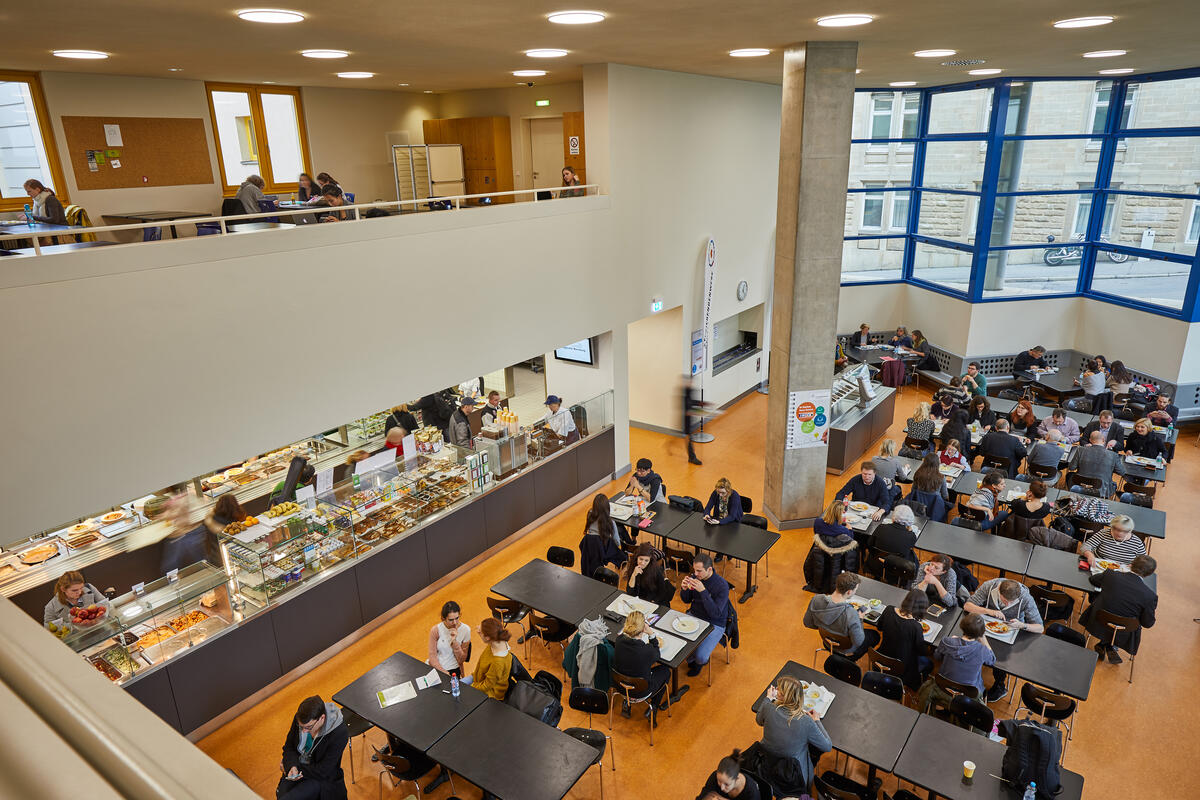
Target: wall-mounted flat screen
582,352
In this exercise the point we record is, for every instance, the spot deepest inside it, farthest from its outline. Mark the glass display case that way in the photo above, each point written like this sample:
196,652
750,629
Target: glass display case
152,624
268,555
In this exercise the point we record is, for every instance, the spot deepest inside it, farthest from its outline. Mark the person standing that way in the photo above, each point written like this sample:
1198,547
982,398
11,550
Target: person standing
707,596
312,753
459,430
400,417
691,409
569,178
491,409
72,591
559,421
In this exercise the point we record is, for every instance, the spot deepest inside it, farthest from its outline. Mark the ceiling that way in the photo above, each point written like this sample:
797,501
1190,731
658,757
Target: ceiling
440,46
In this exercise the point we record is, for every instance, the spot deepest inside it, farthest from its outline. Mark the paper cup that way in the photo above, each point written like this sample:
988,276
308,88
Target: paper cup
968,770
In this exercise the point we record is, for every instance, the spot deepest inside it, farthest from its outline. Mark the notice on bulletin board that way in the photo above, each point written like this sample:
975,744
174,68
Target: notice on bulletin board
808,419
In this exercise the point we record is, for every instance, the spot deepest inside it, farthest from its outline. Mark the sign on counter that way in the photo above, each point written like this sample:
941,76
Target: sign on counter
324,480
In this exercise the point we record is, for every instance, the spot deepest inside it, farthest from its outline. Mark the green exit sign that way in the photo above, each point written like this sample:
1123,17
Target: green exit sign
541,103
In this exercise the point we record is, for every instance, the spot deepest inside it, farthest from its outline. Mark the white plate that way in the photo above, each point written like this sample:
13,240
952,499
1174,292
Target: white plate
685,624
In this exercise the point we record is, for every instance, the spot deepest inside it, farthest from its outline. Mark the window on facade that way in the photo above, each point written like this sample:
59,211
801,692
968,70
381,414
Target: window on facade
960,111
908,119
899,215
1150,280
1166,104
881,116
1100,104
260,131
1193,234
26,144
872,208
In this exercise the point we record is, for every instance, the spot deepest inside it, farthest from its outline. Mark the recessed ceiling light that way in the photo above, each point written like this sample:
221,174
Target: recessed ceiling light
270,82
404,84
277,16
935,53
356,74
750,52
546,53
84,54
858,71
844,20
575,17
988,71
324,53
903,83
1104,53
1121,71
1083,22
429,91
528,73
174,69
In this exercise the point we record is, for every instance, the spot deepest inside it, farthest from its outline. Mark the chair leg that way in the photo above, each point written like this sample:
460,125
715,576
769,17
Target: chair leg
600,764
1131,657
350,747
612,752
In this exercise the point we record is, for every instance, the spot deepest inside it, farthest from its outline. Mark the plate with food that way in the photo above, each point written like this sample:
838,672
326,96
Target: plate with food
113,516
39,554
82,540
857,602
1104,563
998,627
925,627
859,506
686,624
87,526
215,480
233,472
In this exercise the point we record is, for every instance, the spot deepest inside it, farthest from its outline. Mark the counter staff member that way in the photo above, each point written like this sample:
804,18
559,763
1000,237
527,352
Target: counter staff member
459,431
72,591
491,409
560,422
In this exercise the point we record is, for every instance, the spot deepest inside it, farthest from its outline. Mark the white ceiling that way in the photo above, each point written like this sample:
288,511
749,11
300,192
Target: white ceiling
442,45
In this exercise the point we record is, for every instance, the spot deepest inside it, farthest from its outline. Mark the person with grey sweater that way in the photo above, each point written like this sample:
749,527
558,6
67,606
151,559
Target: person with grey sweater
788,729
834,613
1095,460
250,192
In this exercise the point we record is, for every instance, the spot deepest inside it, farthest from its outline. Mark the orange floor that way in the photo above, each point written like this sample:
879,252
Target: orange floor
1141,735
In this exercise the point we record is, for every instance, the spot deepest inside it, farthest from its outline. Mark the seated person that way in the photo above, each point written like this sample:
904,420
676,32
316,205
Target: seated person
956,428
495,662
864,487
559,421
1095,460
724,504
788,730
936,577
952,456
904,639
636,653
930,490
331,197
974,381
834,549
1009,601
707,596
1059,421
979,412
987,499
886,466
1046,453
1033,357
1023,421
897,536
1033,505
645,577
1115,544
962,658
449,641
921,346
1114,434
863,337
840,359
645,482
601,542
1125,594
729,781
1144,442
920,424
1164,412
1092,380
312,752
836,614
956,393
1000,443
901,339
943,405
250,193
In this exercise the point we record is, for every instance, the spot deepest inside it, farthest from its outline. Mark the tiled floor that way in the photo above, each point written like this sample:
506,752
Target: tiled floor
1130,740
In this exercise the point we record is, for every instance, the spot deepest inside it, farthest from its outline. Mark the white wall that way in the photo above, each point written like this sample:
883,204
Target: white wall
1189,370
655,372
578,382
1011,327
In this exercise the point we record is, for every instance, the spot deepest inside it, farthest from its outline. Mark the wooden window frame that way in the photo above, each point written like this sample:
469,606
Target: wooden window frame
48,141
262,146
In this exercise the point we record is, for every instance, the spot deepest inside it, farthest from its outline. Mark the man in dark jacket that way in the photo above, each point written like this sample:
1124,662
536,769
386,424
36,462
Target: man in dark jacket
865,487
1033,357
1095,460
459,430
707,596
312,753
1125,594
1114,434
436,409
1000,443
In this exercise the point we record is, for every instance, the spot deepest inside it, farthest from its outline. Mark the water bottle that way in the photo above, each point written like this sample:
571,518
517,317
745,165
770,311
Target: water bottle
1159,461
29,214
454,686
1030,791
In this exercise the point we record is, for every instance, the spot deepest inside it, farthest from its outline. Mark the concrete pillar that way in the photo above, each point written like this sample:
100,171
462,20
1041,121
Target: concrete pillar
814,163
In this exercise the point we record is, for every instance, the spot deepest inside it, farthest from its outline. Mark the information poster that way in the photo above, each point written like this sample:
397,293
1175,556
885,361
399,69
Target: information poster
697,352
808,419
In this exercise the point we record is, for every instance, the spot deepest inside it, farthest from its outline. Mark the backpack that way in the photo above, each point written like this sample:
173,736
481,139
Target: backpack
1032,754
540,698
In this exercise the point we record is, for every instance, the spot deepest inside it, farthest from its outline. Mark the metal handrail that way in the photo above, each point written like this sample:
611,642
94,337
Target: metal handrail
457,200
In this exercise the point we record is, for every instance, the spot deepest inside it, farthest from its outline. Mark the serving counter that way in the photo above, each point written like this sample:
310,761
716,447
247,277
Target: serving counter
856,421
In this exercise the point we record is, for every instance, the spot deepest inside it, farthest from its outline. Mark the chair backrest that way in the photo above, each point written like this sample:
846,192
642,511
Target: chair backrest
1089,525
606,575
503,609
231,207
827,792
588,700
765,792
754,521
954,687
1057,630
898,570
970,713
884,685
1116,624
1038,471
681,559
152,234
747,504
633,688
834,641
549,627
267,205
1075,478
971,513
562,556
885,664
843,669
999,462
1047,703
1048,599
916,444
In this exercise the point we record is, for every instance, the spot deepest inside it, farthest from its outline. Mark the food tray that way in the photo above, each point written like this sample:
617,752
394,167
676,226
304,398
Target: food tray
819,704
119,658
202,630
40,553
155,636
185,621
82,540
166,649
1009,637
931,629
106,669
664,624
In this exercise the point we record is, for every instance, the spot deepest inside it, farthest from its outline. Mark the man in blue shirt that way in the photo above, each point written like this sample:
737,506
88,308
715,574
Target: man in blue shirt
867,488
901,339
707,595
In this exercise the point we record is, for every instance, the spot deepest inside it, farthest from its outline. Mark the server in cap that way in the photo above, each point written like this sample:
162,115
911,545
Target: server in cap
459,431
559,421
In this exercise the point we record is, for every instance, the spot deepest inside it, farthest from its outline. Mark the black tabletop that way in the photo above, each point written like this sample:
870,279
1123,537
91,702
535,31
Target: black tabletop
555,591
968,482
912,463
1046,661
1059,568
689,645
744,542
26,228
418,722
876,357
1146,473
512,755
666,518
871,589
1062,382
1150,522
934,756
1169,435
988,549
864,725
1003,406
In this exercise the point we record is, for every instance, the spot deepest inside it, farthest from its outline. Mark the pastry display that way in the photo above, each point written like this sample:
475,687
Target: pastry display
114,516
83,539
155,636
39,553
187,620
86,526
6,570
282,509
209,600
238,527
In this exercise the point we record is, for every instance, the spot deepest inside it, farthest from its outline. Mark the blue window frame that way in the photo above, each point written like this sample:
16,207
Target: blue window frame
1020,188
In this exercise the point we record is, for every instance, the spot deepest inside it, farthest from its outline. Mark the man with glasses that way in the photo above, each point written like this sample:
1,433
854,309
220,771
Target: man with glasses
312,753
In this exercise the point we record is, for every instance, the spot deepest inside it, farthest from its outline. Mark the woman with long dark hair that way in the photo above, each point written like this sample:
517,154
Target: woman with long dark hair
601,542
645,577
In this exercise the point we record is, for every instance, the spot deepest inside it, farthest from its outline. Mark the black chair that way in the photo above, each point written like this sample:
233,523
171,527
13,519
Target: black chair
1049,705
898,570
509,612
1047,474
972,714
551,631
635,691
1001,463
562,556
951,688
1054,604
765,791
356,725
747,504
843,669
606,575
678,560
921,445
400,769
755,521
1086,527
968,512
1075,479
831,643
594,739
886,686
592,701
831,785
1146,493
904,794
1056,630
1115,625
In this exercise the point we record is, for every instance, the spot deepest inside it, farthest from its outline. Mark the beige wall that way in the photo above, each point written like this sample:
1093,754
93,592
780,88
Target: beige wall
655,369
347,135
516,103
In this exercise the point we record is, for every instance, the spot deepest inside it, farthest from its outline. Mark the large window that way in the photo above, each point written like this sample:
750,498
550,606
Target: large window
26,143
1100,105
260,131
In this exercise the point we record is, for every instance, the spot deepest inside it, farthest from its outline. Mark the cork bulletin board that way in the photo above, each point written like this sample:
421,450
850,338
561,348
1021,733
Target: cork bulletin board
154,151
